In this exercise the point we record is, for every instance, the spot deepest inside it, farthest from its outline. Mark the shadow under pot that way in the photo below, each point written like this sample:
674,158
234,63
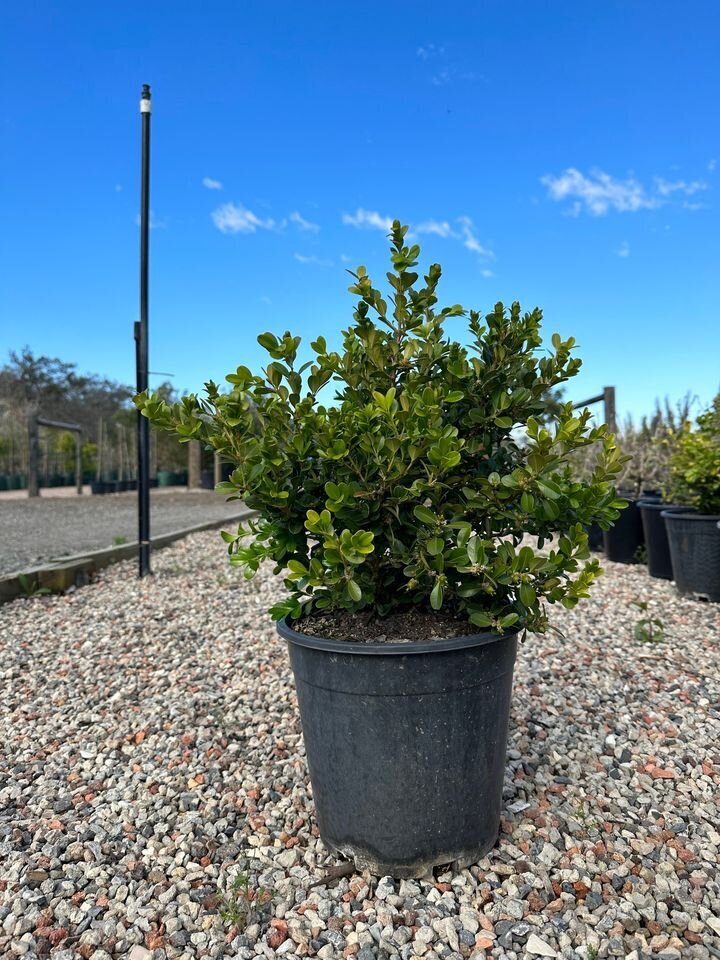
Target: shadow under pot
405,745
625,539
694,540
659,563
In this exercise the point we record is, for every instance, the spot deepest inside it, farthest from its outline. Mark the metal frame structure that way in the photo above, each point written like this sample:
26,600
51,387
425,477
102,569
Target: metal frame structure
36,421
607,397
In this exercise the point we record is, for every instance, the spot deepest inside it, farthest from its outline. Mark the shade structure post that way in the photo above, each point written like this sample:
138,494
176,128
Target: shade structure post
141,343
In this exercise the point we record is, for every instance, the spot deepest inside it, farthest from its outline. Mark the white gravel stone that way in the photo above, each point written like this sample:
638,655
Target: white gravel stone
152,750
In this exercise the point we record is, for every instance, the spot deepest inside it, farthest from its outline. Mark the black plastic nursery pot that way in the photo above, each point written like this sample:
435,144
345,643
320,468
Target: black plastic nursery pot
624,539
98,487
659,563
595,534
405,745
694,540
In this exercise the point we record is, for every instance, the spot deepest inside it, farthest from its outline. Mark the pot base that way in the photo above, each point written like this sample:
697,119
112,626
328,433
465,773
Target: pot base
416,870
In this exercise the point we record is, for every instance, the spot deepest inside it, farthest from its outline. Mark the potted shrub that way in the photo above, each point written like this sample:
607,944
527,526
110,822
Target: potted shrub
422,519
640,528
694,536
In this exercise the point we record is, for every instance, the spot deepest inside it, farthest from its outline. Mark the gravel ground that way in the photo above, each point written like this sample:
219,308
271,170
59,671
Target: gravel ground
46,528
152,750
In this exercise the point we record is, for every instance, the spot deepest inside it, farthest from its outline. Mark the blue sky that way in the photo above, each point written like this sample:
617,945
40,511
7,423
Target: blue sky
560,154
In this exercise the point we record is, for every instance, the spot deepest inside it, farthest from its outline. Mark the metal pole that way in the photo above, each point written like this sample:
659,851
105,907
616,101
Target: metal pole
33,484
78,464
141,344
609,399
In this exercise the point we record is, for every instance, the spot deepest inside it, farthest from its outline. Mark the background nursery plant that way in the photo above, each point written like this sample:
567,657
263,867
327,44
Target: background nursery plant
694,463
427,482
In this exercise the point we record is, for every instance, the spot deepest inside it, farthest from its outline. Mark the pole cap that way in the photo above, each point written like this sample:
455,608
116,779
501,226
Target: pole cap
145,99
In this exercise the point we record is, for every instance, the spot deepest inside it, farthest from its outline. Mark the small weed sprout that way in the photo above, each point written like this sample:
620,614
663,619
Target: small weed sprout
648,629
241,904
31,588
583,816
119,541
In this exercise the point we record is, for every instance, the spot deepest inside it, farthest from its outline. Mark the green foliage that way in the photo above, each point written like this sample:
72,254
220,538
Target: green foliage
31,588
415,486
241,904
695,463
646,446
648,629
119,541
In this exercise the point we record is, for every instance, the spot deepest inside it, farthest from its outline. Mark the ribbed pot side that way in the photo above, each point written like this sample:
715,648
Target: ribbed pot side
625,538
694,540
659,563
406,745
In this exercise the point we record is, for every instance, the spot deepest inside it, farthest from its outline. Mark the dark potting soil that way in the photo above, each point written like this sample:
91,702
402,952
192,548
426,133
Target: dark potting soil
365,627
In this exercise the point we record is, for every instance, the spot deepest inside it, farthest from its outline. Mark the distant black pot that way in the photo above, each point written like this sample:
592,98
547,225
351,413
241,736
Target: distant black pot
595,537
405,745
625,540
659,563
207,479
694,540
98,487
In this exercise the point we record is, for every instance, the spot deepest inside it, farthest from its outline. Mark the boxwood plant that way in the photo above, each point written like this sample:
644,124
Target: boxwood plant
407,471
695,463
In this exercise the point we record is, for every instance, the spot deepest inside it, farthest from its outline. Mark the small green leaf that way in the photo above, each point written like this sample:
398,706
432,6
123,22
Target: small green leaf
527,594
509,620
435,546
436,596
481,619
268,340
424,515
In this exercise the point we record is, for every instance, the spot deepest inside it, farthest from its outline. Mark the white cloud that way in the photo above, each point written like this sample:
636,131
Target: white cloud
234,218
464,231
345,258
486,273
118,188
154,223
623,250
302,223
317,261
711,166
430,50
440,228
599,192
467,229
367,218
211,184
450,75
266,299
665,187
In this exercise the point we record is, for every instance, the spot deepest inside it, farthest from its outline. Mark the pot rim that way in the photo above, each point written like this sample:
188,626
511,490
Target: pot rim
653,505
690,516
393,649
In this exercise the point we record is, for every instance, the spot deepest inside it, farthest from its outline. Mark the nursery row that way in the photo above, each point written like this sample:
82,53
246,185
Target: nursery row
675,542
